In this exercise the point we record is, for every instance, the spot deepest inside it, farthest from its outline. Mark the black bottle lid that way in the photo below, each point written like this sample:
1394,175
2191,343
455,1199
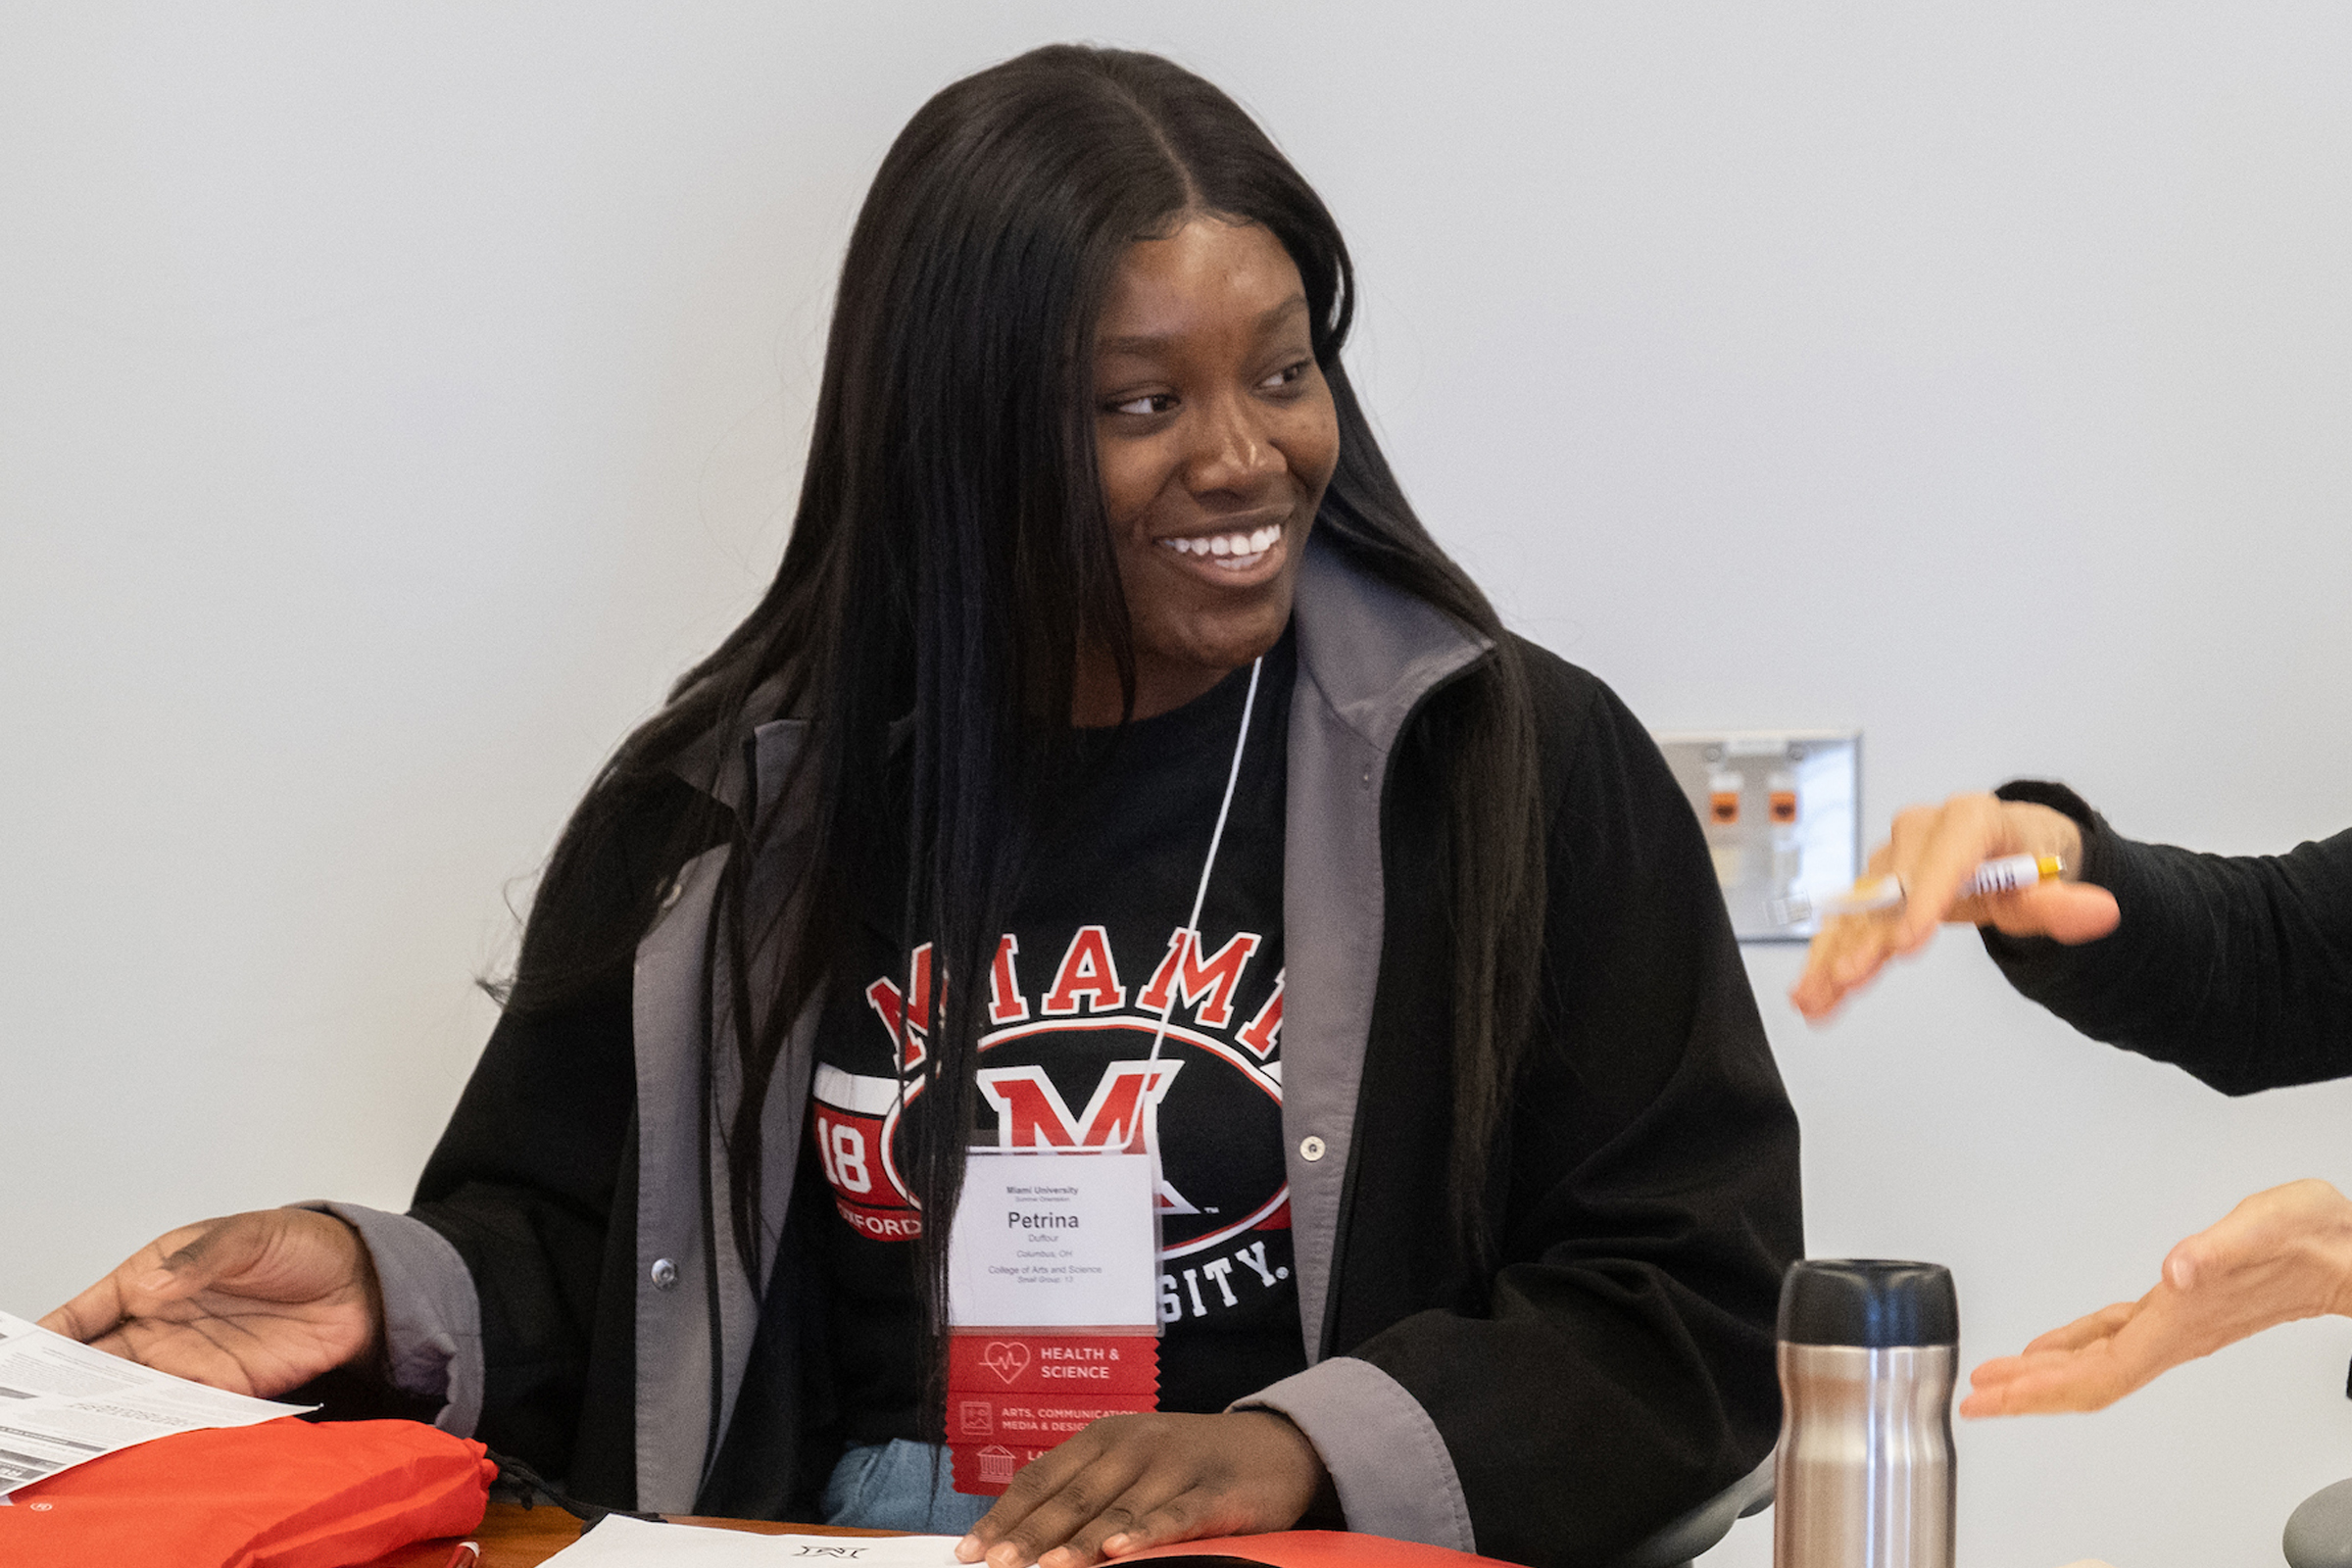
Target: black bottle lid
1874,1303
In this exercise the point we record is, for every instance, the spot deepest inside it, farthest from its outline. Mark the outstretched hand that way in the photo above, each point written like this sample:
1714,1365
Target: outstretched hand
2281,1255
256,1303
1128,1482
1934,849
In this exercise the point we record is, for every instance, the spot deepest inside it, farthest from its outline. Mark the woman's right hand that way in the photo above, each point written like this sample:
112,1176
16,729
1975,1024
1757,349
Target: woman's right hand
256,1303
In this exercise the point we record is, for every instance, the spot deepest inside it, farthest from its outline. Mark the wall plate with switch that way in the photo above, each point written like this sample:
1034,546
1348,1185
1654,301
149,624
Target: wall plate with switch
1781,810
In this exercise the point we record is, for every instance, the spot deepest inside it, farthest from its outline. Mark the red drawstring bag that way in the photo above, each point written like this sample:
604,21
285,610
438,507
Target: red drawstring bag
285,1494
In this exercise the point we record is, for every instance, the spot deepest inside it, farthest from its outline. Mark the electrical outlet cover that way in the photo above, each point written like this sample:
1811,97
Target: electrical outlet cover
1781,810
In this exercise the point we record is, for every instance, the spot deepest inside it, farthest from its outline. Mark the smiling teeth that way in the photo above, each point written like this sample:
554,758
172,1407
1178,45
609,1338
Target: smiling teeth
1232,552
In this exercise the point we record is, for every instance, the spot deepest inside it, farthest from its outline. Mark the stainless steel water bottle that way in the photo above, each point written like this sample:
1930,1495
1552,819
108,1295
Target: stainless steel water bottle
1864,1469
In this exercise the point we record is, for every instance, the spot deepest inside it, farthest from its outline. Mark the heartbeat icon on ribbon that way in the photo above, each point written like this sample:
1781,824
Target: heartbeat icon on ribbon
1007,1358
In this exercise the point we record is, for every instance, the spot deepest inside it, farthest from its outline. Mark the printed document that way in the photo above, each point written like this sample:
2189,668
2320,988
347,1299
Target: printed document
622,1542
61,1402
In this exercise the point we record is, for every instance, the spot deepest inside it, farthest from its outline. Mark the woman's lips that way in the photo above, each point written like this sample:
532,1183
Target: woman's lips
1236,551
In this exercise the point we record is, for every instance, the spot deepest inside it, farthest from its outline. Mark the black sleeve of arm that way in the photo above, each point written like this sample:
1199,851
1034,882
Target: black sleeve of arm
522,1185
2237,968
523,1180
1622,1368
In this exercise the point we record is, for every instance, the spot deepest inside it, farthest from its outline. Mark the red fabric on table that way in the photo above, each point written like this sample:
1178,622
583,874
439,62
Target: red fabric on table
283,1494
1319,1548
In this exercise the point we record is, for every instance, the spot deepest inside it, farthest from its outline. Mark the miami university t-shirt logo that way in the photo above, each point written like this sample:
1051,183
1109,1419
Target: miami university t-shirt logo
1066,1062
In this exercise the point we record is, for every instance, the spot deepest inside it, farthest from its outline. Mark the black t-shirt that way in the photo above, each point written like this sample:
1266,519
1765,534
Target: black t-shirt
1097,947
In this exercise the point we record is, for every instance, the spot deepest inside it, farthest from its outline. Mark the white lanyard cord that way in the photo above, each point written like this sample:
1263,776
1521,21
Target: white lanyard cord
1192,927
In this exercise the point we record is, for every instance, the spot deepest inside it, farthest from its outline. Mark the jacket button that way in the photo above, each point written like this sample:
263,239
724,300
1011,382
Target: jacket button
664,1274
1310,1149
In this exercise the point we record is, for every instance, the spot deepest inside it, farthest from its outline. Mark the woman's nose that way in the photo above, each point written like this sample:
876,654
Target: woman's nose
1234,450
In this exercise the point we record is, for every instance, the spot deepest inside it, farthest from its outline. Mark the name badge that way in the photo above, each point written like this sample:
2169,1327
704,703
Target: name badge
1054,1242
1052,1289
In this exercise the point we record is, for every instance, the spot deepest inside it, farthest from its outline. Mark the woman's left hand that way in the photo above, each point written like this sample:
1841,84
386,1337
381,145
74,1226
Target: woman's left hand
1128,1482
2281,1255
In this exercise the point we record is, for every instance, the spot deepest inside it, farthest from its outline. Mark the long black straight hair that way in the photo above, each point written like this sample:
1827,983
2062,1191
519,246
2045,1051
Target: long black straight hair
948,557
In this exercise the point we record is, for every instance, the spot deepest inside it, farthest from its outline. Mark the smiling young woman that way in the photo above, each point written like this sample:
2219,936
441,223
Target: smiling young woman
1113,735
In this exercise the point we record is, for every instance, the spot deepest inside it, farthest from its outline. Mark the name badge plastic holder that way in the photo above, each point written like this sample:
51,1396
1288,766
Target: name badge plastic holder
1052,1294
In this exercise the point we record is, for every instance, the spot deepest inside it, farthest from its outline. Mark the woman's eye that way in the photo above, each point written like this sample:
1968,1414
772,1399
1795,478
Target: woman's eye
1146,402
1288,375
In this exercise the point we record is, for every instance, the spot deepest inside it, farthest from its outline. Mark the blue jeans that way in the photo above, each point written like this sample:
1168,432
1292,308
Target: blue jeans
893,1486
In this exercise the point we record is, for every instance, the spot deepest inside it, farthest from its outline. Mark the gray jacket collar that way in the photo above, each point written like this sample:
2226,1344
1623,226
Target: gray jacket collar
1373,650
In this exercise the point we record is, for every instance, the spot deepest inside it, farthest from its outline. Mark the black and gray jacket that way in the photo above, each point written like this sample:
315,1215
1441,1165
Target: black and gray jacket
556,1289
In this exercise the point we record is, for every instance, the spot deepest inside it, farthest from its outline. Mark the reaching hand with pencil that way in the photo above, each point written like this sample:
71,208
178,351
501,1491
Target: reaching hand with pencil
1935,861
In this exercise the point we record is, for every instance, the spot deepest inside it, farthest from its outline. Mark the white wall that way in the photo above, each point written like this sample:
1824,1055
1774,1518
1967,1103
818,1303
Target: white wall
392,399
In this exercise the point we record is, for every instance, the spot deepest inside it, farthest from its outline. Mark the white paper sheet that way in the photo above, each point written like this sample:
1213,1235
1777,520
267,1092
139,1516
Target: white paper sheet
62,1404
619,1543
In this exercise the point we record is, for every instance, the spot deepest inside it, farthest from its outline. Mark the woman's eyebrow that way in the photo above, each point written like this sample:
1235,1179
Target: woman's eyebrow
1145,342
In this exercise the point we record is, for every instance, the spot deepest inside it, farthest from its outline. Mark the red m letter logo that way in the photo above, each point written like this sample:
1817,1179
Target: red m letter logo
1124,1112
